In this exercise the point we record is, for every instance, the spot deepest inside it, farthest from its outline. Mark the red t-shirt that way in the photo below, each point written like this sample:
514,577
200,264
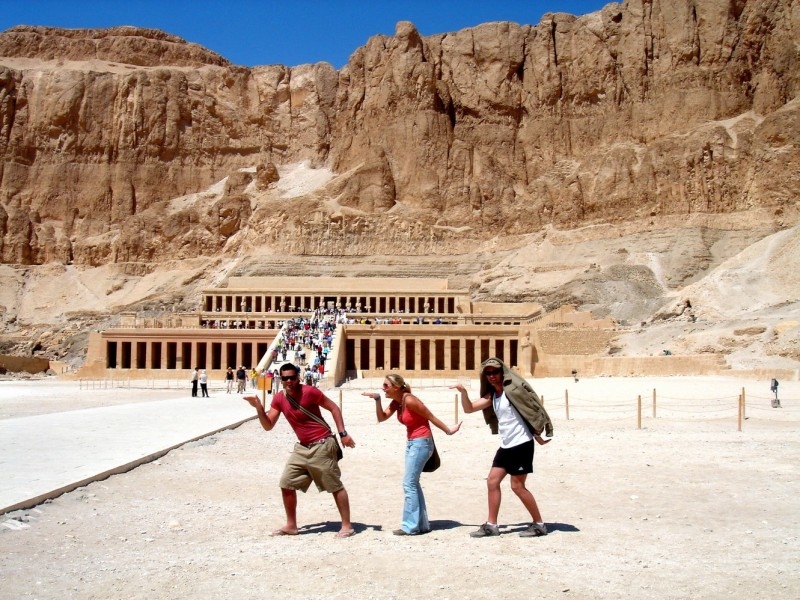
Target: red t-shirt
416,425
305,428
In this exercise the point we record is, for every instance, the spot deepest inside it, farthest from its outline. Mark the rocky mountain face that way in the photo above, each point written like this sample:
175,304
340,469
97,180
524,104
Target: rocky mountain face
666,132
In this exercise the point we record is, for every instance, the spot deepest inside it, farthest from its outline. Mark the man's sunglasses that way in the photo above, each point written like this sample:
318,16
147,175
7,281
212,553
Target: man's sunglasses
489,373
288,377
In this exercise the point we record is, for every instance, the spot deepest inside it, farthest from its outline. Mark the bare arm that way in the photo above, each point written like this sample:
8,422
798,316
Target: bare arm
331,406
471,407
416,405
381,413
267,420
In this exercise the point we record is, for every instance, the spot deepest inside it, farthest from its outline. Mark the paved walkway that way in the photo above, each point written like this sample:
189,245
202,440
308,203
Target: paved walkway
44,456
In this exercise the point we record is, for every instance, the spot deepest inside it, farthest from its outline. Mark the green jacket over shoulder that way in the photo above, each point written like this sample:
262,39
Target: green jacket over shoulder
521,396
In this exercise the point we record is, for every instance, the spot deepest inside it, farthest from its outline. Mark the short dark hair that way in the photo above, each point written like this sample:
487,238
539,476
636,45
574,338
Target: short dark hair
290,367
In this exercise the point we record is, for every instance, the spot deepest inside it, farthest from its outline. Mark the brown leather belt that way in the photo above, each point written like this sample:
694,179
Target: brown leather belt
322,441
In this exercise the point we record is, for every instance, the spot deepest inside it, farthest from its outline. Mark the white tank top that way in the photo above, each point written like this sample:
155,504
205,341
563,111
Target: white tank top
513,430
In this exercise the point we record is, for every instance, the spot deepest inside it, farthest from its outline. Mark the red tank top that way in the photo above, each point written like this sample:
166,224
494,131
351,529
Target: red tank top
416,425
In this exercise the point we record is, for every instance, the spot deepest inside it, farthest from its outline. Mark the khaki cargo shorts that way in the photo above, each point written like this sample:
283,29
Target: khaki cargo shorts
317,463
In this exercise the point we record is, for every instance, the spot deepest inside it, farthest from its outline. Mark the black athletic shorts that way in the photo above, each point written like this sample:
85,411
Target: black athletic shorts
517,460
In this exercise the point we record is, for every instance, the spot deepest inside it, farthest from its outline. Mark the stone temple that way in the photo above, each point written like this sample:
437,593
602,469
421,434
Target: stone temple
417,326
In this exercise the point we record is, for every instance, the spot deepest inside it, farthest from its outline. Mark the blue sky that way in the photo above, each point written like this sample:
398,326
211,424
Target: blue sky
288,32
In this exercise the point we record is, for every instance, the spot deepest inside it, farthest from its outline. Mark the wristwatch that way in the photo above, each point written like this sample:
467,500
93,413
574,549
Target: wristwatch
343,433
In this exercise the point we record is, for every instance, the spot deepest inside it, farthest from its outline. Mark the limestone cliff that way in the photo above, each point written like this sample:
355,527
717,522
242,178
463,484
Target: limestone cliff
645,108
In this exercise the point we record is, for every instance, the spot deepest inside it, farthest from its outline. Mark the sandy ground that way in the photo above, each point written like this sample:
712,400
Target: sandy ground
685,507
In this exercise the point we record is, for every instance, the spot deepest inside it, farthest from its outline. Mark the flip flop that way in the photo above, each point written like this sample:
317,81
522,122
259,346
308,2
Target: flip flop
278,532
346,533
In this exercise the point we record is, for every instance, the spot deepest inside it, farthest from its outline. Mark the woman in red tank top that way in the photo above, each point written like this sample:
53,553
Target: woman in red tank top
417,418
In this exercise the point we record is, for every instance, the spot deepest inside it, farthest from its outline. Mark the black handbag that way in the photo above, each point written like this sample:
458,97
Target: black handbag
434,462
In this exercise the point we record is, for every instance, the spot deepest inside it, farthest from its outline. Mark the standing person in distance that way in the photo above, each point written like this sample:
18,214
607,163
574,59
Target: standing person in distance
417,418
773,387
229,380
511,407
241,380
253,378
194,380
314,457
203,378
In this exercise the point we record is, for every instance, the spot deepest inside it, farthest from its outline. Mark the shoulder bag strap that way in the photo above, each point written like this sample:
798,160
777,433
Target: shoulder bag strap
307,412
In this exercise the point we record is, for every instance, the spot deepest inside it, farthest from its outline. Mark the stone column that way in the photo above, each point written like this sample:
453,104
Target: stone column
402,357
224,355
205,358
462,354
357,353
372,364
448,355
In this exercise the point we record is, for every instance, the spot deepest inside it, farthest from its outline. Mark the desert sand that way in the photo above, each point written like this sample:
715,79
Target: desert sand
687,506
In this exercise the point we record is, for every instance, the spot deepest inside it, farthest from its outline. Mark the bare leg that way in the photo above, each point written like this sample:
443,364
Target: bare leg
496,476
518,487
290,506
343,504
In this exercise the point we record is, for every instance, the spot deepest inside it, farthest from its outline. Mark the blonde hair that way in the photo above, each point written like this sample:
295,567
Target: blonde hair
397,380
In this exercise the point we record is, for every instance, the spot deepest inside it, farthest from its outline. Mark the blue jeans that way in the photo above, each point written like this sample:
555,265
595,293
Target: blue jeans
415,514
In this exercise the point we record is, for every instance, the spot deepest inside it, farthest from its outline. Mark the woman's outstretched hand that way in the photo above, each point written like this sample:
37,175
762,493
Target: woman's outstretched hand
455,428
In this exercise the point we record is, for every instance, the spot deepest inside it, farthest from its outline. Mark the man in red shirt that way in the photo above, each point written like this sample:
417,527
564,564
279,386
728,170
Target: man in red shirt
314,457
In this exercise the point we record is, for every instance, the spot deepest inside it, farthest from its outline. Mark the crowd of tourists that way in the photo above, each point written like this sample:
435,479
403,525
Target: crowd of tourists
307,341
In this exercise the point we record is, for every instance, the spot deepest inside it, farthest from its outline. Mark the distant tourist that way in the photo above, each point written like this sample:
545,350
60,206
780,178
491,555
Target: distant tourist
417,418
241,380
203,378
229,379
773,387
194,378
267,375
511,407
253,378
276,381
316,454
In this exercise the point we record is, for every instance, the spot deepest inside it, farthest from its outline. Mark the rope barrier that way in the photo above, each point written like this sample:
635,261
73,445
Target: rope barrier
611,409
707,411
